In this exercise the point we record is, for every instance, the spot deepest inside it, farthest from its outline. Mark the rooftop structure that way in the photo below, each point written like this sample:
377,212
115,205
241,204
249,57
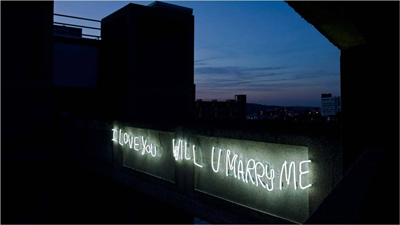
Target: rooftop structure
231,108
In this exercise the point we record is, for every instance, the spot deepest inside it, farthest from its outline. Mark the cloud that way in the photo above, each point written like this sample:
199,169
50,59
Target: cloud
264,68
201,62
223,82
217,70
234,77
236,70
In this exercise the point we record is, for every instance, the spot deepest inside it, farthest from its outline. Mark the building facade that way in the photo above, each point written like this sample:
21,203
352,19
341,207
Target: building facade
330,106
229,109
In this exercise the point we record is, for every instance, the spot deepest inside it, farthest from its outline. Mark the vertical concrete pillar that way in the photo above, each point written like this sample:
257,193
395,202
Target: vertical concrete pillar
370,101
26,108
369,98
147,62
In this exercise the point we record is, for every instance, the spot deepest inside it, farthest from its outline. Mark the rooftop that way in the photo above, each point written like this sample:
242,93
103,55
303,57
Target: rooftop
164,5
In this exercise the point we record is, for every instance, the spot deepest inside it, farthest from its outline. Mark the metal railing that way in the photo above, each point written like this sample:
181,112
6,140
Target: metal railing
97,37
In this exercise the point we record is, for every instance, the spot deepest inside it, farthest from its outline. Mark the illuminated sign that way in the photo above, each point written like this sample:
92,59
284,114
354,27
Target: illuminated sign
252,171
135,142
178,151
255,172
146,151
272,178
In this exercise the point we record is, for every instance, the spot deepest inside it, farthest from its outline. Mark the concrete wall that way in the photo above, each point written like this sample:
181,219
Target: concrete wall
369,79
75,65
26,109
147,63
362,87
75,76
193,189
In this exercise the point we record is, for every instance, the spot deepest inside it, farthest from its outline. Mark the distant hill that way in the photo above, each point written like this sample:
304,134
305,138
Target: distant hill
255,108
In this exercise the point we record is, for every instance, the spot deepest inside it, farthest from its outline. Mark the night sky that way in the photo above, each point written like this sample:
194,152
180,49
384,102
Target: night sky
262,49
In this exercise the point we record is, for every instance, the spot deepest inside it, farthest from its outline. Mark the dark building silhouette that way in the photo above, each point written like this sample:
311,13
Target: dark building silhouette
146,62
231,108
142,66
75,75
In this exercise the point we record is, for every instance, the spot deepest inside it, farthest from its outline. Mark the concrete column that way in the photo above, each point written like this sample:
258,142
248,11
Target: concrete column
26,102
147,63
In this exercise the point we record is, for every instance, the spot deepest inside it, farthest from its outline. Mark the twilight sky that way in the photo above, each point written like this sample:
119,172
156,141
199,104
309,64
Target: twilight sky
262,49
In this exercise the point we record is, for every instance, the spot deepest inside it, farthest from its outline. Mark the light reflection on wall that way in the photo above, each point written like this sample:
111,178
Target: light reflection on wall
268,177
231,169
255,171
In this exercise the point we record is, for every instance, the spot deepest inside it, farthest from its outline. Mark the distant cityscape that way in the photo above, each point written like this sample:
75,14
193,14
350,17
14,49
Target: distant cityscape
330,110
238,108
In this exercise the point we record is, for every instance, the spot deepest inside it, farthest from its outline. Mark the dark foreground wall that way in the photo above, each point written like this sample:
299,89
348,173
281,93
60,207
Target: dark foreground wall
370,76
75,62
26,109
